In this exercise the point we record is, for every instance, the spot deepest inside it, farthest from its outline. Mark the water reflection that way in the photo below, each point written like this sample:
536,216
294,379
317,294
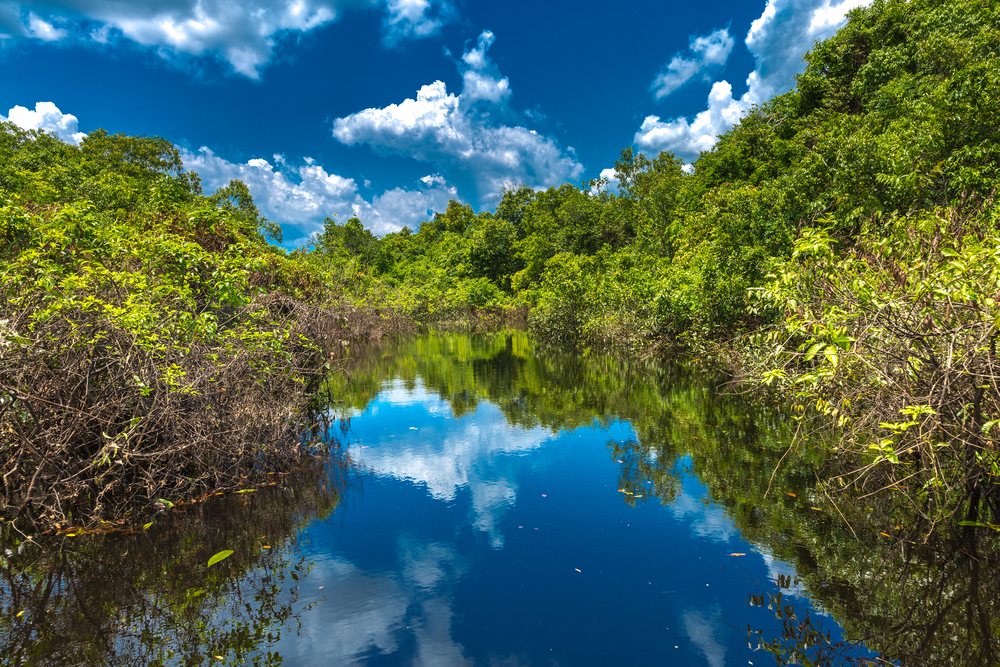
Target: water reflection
516,503
361,615
707,631
148,598
447,452
507,505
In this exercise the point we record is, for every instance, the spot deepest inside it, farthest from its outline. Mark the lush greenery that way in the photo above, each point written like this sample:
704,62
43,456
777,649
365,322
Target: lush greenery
840,243
153,344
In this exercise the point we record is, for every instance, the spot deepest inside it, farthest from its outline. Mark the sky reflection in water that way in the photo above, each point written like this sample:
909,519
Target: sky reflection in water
468,541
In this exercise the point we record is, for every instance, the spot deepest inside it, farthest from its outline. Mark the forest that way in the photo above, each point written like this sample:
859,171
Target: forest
838,249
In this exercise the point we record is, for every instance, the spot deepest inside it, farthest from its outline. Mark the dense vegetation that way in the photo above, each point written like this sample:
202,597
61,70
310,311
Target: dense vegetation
841,244
153,345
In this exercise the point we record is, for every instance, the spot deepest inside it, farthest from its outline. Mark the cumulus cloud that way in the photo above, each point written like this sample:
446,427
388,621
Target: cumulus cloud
710,52
244,34
706,521
777,39
688,138
43,30
301,196
49,118
411,19
460,135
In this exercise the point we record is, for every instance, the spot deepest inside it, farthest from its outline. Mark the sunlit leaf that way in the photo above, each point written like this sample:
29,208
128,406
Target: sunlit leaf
222,555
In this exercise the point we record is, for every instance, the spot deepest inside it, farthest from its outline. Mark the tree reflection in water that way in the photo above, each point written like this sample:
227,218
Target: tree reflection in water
147,598
915,601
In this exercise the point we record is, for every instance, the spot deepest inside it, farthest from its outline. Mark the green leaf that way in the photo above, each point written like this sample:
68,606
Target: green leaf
222,555
814,350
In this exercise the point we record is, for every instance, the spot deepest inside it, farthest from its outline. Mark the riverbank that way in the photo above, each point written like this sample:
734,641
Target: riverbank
154,346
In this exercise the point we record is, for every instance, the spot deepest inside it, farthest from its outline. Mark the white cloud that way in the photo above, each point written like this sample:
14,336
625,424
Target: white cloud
43,30
708,521
244,33
710,53
688,138
458,134
410,19
777,39
302,196
405,611
47,116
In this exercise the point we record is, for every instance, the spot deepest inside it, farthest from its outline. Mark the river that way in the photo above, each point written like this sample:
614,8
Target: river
489,502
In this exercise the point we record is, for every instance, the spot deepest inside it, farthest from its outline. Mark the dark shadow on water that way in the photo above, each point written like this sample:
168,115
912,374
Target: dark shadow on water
147,597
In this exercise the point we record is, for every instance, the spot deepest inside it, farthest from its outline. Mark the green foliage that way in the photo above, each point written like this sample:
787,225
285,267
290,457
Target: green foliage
896,342
133,307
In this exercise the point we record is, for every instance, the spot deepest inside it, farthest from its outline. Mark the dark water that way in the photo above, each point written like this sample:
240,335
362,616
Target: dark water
495,504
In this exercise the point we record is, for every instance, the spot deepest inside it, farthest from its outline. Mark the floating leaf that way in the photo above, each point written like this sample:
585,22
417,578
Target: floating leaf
886,534
735,554
222,555
793,495
146,527
163,501
578,569
20,614
245,491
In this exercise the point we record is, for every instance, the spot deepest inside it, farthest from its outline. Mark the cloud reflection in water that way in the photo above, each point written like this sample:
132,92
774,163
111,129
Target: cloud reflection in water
447,455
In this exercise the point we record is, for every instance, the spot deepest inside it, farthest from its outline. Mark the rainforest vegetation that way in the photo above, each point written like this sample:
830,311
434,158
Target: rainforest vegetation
839,246
154,347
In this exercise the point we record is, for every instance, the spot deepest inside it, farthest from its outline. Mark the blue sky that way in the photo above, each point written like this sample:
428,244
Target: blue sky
386,109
